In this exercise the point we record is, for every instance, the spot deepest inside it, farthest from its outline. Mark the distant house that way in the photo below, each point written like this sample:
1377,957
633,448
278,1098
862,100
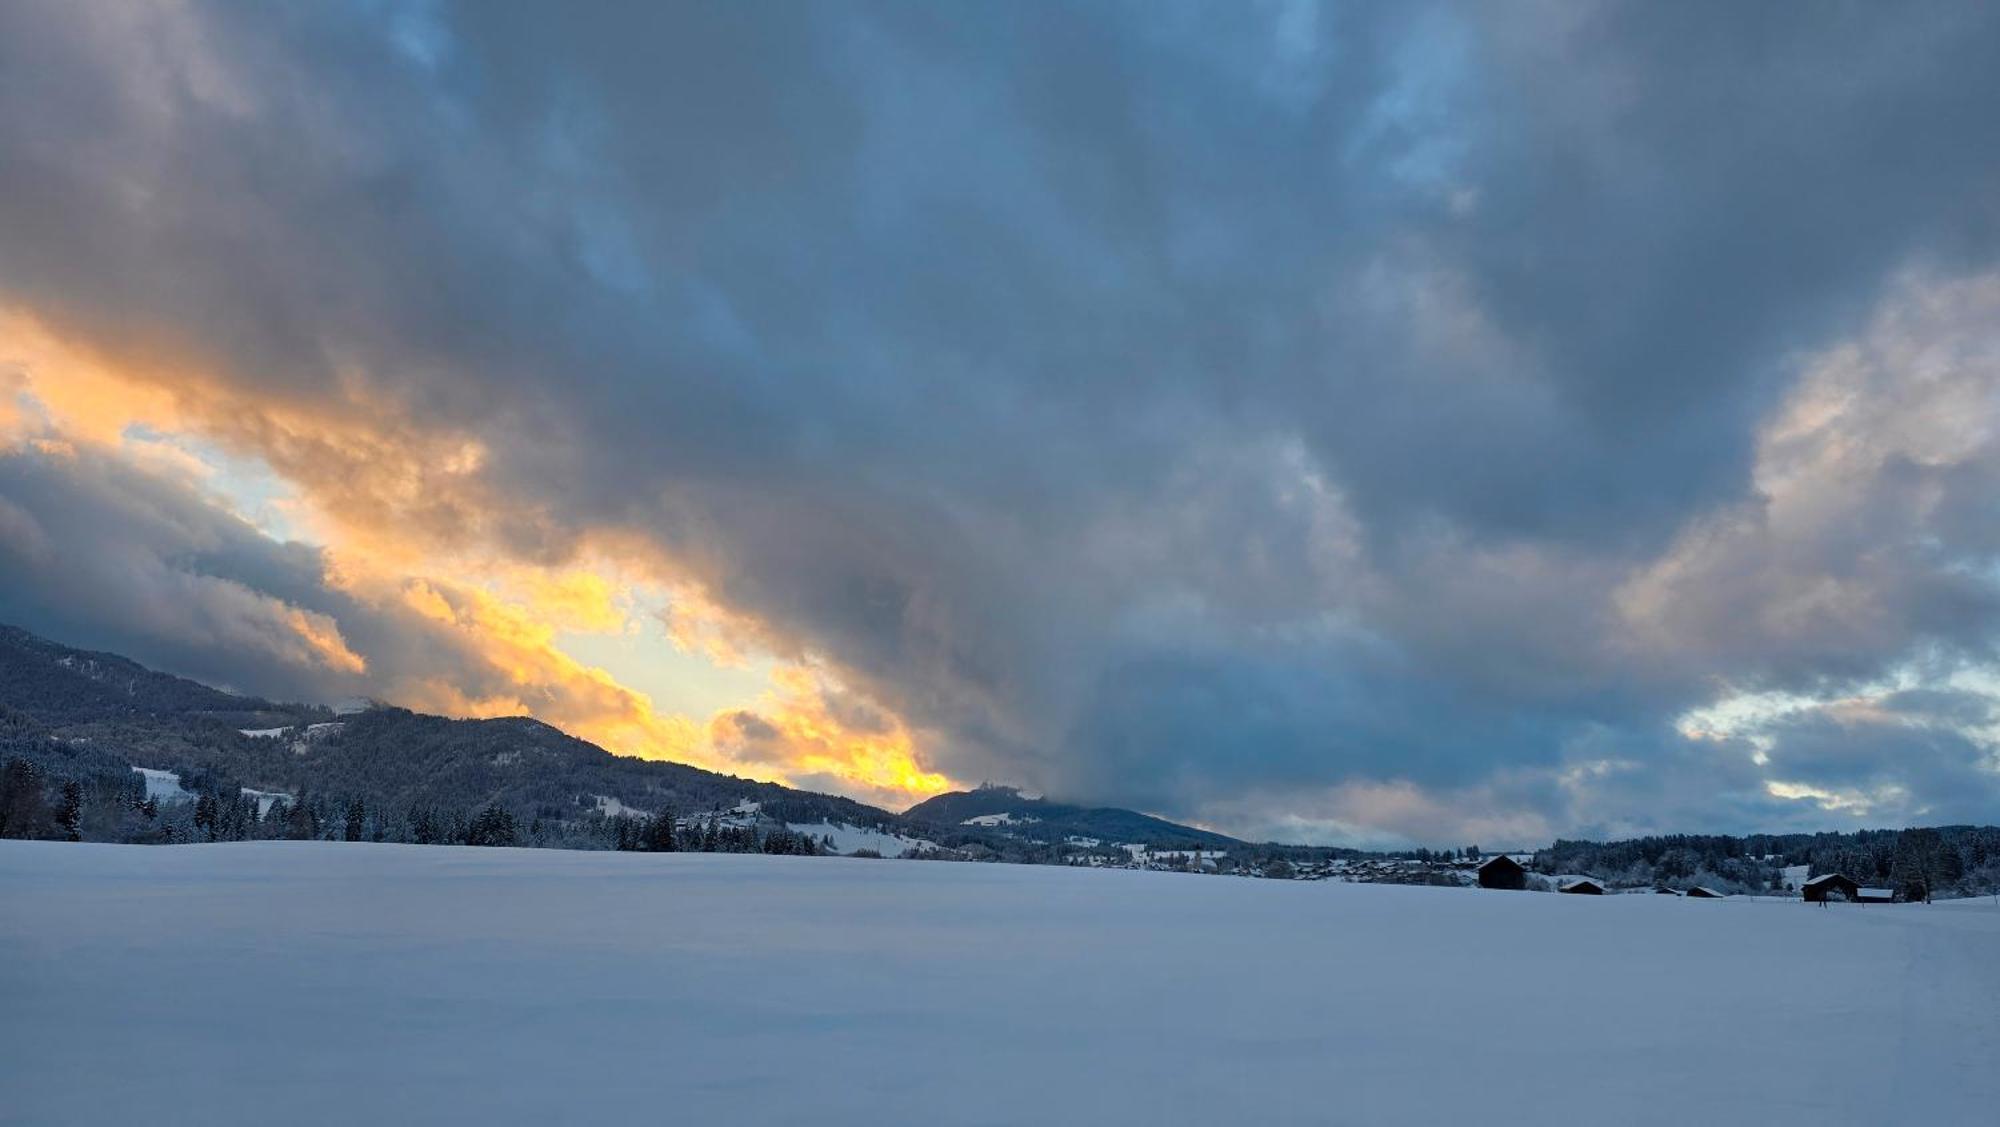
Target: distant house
1502,872
1665,892
1874,896
1830,886
1582,886
1699,892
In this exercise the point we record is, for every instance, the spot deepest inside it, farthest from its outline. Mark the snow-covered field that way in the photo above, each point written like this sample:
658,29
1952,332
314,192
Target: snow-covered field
317,982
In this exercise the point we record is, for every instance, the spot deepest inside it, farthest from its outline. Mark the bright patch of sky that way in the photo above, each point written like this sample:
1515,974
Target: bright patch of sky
246,485
678,681
1751,716
642,658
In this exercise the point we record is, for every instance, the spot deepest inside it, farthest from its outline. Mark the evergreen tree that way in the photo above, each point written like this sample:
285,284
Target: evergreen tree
276,818
493,826
205,815
24,811
69,813
424,829
659,833
357,820
302,821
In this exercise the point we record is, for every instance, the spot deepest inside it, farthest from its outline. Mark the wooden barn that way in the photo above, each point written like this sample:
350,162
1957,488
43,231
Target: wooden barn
1875,896
1583,886
1699,892
1502,872
1830,886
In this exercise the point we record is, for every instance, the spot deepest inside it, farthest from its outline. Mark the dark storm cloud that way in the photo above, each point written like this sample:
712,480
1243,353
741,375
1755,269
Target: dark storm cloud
1160,403
99,554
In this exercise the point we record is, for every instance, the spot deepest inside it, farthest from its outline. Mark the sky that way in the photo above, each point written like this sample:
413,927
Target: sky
1363,424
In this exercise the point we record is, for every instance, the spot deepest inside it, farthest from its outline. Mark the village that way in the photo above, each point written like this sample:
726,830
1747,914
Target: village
1501,871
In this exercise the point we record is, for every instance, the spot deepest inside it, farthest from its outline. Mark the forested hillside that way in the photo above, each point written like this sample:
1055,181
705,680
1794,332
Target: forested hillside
1005,809
76,725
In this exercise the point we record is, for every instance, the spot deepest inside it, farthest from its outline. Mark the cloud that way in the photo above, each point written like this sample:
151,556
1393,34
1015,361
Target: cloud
111,558
1399,419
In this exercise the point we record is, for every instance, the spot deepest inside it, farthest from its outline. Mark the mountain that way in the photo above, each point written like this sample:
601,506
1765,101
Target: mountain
1005,811
124,731
56,684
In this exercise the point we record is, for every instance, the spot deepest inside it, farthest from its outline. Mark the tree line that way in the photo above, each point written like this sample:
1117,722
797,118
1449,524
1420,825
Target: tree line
1919,862
37,805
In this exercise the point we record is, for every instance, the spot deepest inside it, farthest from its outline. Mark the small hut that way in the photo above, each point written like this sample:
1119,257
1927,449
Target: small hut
1699,892
1502,872
1874,896
1582,886
1830,886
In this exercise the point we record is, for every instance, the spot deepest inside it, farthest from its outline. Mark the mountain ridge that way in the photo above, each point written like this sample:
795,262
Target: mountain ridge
99,716
1005,808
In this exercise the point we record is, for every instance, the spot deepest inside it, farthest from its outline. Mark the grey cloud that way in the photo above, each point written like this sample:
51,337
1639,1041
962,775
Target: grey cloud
98,553
1155,402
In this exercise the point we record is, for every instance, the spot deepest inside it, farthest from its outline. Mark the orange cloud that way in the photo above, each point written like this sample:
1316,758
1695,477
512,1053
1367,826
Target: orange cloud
810,725
406,518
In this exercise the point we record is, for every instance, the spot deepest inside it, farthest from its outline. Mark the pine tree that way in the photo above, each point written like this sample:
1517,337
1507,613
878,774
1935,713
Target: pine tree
357,820
493,826
69,814
205,815
302,821
659,834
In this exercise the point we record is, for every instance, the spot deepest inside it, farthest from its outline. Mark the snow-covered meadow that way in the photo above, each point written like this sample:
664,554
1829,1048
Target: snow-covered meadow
319,982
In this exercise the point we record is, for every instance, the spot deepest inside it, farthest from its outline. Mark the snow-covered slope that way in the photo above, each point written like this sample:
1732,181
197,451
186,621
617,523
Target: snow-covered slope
164,786
847,839
322,983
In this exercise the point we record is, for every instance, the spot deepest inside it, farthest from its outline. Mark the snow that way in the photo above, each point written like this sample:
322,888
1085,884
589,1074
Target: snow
847,839
612,807
1143,853
263,733
401,984
265,798
1005,819
164,786
311,733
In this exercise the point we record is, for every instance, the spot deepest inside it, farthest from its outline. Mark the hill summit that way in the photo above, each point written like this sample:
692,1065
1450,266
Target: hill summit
1005,810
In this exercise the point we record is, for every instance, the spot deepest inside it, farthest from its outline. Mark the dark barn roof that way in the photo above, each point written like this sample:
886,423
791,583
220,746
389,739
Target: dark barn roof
1830,884
1502,872
1583,887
